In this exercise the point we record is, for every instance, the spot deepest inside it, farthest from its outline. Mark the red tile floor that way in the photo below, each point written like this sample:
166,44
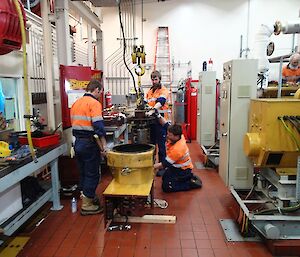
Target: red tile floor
197,231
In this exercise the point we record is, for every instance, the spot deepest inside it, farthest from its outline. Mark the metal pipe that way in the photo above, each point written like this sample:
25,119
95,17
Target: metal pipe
280,78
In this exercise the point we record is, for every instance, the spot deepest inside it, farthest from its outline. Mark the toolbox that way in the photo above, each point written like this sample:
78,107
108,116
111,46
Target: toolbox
45,141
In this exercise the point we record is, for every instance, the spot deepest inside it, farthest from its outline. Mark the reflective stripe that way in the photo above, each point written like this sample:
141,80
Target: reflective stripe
185,156
97,118
78,127
182,165
169,160
164,111
153,99
79,117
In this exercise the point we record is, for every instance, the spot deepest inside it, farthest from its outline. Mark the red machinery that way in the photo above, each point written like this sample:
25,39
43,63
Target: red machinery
10,30
191,96
73,81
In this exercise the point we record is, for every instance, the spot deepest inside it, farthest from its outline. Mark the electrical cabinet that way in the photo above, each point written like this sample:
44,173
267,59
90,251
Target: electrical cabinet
238,87
206,115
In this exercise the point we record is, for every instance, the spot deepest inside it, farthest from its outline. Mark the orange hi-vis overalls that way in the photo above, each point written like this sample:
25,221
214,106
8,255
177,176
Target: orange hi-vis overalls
291,75
178,154
159,95
86,117
87,120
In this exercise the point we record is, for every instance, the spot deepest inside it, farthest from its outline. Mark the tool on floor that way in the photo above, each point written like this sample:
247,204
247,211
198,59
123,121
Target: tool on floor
119,227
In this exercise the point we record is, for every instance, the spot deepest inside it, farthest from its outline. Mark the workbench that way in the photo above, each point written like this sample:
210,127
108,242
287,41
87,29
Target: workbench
12,175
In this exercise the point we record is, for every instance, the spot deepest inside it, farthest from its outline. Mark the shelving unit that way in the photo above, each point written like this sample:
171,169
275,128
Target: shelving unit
12,176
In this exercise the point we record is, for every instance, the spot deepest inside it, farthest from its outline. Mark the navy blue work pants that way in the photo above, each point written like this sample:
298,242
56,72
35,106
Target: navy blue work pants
175,180
88,157
158,135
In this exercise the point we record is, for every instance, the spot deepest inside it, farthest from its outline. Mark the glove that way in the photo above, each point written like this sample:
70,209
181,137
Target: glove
150,113
156,114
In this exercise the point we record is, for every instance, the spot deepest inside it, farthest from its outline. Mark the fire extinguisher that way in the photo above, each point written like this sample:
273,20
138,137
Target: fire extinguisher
108,101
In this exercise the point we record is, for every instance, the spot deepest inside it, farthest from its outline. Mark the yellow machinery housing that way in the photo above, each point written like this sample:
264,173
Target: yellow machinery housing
268,143
132,164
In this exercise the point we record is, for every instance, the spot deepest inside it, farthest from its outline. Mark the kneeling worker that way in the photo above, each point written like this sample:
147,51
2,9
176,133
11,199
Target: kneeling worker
178,165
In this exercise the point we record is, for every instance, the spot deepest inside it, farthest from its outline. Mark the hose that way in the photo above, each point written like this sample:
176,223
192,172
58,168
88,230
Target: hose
25,74
280,210
124,48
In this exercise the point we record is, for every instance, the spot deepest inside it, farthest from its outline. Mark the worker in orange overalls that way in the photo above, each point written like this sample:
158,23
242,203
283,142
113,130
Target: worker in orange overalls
291,72
87,122
178,164
157,98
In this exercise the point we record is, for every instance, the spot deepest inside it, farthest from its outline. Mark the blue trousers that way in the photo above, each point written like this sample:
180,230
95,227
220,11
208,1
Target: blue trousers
175,180
158,135
88,158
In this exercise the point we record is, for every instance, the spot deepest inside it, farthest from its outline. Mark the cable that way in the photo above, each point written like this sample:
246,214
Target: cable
295,123
290,132
124,47
142,22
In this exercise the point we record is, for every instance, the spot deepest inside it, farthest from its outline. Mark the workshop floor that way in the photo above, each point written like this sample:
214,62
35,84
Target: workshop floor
197,231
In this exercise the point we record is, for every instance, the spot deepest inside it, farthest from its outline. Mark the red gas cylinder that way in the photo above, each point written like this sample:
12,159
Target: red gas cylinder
10,30
108,100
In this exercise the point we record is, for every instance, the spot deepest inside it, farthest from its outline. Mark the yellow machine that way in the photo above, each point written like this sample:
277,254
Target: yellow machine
273,139
132,169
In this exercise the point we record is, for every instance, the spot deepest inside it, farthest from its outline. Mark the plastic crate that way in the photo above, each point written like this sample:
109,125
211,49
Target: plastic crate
41,142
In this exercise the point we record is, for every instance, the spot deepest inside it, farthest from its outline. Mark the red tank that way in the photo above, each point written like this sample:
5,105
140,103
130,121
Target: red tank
191,96
108,100
10,30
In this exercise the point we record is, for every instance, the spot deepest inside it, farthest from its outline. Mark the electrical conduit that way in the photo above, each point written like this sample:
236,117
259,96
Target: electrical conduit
26,91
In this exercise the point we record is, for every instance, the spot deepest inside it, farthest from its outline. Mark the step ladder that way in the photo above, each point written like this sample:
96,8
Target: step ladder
162,61
162,55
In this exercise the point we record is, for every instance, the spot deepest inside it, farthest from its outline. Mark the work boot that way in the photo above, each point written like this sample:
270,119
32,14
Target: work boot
88,207
195,182
96,200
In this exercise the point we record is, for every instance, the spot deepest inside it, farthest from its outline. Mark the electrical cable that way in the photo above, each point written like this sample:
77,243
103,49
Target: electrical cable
25,72
124,47
295,123
290,132
142,5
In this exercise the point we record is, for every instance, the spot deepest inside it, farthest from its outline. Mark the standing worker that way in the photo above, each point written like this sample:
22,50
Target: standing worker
90,143
157,98
178,164
291,72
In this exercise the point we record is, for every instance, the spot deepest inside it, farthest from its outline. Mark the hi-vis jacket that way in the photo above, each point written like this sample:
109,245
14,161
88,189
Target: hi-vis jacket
291,75
159,95
86,117
178,155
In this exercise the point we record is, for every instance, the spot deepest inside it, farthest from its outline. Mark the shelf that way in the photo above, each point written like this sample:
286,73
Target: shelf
12,224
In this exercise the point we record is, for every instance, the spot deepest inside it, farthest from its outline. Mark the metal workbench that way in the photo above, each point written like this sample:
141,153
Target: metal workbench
13,175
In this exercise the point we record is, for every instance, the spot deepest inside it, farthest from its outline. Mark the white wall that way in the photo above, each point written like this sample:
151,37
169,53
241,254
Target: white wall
204,29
